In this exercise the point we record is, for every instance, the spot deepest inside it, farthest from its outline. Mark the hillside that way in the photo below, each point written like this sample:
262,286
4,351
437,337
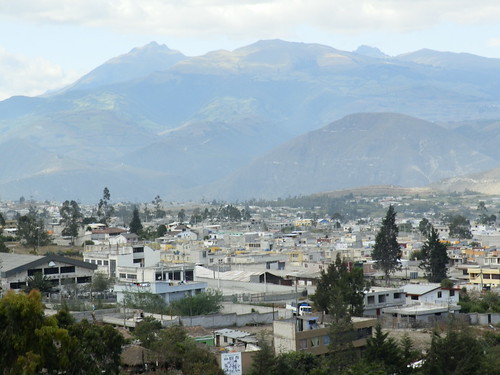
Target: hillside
154,121
358,150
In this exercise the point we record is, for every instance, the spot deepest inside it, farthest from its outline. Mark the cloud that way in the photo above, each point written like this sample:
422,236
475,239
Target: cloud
252,18
30,77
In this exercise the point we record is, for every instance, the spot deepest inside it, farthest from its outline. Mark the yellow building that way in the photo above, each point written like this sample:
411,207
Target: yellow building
484,276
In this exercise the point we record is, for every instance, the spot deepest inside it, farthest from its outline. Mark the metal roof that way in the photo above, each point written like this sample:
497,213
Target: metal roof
11,264
420,289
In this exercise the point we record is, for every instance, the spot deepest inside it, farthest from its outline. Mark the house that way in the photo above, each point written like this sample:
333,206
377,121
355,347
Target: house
430,293
306,334
16,268
377,298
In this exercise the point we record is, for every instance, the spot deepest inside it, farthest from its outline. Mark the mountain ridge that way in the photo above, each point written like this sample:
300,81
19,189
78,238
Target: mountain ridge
194,123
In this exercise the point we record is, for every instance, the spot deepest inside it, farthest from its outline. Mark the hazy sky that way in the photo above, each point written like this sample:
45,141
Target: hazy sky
45,44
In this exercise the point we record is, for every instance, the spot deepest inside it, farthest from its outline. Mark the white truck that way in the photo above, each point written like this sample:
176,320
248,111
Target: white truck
304,308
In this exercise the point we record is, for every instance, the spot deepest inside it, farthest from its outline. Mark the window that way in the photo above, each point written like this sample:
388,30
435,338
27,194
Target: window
138,250
397,295
495,276
452,293
68,269
314,342
303,344
326,340
51,271
440,294
106,262
381,298
33,271
131,276
83,279
414,298
99,262
371,300
123,276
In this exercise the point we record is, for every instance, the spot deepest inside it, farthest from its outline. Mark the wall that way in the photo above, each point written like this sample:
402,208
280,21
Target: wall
227,320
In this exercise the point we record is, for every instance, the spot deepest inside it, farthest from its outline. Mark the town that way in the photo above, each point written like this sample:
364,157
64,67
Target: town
258,279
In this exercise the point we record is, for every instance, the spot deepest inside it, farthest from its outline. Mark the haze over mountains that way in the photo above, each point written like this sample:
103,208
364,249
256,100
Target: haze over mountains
271,119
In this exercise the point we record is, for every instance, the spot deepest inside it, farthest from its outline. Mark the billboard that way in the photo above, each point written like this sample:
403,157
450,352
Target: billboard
231,363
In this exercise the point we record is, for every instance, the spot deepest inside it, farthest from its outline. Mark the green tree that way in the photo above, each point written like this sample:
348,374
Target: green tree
100,282
104,209
31,230
96,349
459,226
3,247
457,352
340,291
178,353
424,227
31,343
200,304
434,258
386,251
147,331
135,225
161,230
39,282
71,219
297,363
263,359
383,349
159,211
146,301
181,215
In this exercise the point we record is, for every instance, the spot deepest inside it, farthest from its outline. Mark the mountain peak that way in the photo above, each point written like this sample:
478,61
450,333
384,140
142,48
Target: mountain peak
370,52
151,47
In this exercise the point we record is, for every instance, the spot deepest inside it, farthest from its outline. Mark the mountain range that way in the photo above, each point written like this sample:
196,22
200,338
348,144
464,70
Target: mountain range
270,119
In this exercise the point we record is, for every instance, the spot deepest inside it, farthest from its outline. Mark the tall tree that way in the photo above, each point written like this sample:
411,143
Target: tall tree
135,225
264,359
424,226
459,226
181,215
159,211
340,291
104,208
71,219
31,230
383,349
386,251
434,258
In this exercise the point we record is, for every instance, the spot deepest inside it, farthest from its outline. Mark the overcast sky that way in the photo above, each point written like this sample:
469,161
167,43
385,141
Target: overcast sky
45,44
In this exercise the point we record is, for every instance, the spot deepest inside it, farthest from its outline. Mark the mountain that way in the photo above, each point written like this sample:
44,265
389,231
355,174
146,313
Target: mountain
358,150
154,121
139,62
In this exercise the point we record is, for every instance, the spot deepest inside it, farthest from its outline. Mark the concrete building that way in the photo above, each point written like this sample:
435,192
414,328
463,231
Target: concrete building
16,268
487,276
306,334
167,290
378,298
